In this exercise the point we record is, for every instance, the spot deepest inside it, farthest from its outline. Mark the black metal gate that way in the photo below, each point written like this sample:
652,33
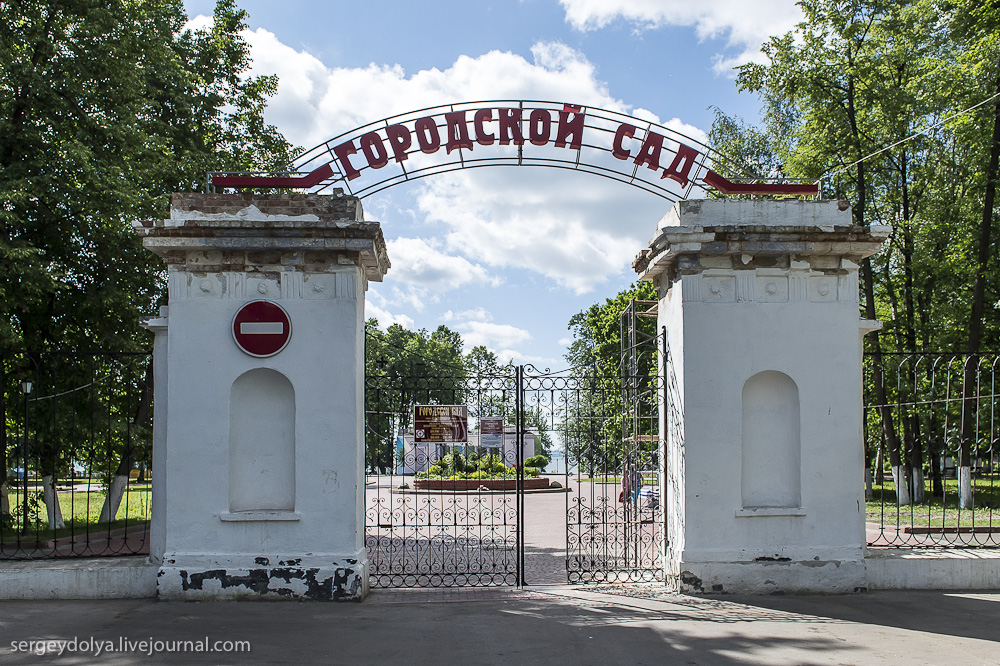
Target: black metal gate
453,514
437,514
608,428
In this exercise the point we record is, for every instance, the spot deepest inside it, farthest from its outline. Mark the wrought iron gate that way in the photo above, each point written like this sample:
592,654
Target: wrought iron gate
440,531
424,529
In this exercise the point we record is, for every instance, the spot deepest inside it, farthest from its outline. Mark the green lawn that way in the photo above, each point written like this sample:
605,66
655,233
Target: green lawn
937,511
81,509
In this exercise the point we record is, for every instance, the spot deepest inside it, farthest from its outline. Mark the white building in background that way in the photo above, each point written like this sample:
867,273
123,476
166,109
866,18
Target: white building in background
418,457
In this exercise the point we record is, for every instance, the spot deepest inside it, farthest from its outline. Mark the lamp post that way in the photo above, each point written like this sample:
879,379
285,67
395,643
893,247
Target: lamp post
26,386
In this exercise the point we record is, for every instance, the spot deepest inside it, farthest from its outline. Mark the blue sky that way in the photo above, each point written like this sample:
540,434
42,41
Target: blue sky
505,256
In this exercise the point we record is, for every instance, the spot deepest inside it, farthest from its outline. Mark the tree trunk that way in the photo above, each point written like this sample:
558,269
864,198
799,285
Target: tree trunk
967,435
917,483
869,491
113,500
878,378
868,279
52,509
4,500
880,463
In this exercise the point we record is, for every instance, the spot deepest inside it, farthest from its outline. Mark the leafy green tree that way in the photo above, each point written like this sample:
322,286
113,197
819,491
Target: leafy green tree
107,107
865,95
597,420
404,368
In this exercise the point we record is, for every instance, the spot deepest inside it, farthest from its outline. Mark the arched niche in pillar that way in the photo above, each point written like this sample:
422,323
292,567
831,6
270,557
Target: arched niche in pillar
262,442
772,458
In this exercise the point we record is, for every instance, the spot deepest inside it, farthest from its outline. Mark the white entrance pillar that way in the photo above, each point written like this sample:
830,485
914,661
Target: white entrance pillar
260,458
765,461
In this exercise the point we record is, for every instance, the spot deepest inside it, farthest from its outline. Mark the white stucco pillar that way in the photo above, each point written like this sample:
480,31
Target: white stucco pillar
262,457
764,487
158,517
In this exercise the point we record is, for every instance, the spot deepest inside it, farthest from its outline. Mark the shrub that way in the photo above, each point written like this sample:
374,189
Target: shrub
494,467
454,462
538,461
531,471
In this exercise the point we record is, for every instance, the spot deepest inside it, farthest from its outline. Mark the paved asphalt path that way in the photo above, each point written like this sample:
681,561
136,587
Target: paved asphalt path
552,625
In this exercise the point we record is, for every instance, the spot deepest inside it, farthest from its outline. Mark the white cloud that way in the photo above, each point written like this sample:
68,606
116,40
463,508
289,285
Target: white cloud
491,335
478,314
577,230
385,318
420,262
315,102
478,328
540,362
745,25
421,271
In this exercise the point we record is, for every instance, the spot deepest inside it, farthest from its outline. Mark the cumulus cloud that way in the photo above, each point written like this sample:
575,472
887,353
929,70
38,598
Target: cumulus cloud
386,318
478,329
316,102
577,230
745,25
422,270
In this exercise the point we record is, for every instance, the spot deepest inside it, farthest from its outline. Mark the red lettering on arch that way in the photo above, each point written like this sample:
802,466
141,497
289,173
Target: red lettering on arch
510,127
649,154
539,127
400,140
624,130
428,137
343,153
570,128
680,169
458,131
480,117
374,150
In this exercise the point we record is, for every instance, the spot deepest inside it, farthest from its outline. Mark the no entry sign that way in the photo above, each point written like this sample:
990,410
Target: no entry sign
261,328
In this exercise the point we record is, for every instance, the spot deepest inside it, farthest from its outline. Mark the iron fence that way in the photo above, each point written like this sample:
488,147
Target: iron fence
932,454
75,454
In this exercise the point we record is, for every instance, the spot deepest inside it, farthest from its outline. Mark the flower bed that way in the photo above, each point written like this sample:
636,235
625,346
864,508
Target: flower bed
474,484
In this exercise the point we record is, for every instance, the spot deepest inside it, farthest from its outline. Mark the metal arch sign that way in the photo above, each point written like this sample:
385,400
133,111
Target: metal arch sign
440,139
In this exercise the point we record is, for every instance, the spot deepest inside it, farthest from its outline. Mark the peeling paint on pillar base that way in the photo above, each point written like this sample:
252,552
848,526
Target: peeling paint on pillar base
770,577
346,580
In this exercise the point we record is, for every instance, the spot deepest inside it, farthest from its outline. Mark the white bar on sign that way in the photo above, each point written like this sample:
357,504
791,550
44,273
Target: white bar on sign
262,327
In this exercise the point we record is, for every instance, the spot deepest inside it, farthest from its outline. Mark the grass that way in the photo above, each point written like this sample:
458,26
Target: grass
937,511
80,510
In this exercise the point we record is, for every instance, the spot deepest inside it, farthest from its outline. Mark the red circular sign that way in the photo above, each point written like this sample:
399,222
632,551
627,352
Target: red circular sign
261,328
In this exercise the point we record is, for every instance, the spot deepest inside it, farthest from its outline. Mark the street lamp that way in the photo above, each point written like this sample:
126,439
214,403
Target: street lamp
26,386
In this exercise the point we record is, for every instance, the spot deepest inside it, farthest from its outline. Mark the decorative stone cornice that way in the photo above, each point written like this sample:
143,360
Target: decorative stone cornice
288,232
755,235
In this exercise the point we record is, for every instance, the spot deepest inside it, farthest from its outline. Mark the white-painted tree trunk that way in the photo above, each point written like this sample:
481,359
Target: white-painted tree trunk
965,487
113,500
868,484
917,485
4,500
899,479
52,508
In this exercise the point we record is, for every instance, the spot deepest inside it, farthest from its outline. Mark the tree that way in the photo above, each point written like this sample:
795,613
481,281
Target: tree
106,107
864,95
617,372
404,368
